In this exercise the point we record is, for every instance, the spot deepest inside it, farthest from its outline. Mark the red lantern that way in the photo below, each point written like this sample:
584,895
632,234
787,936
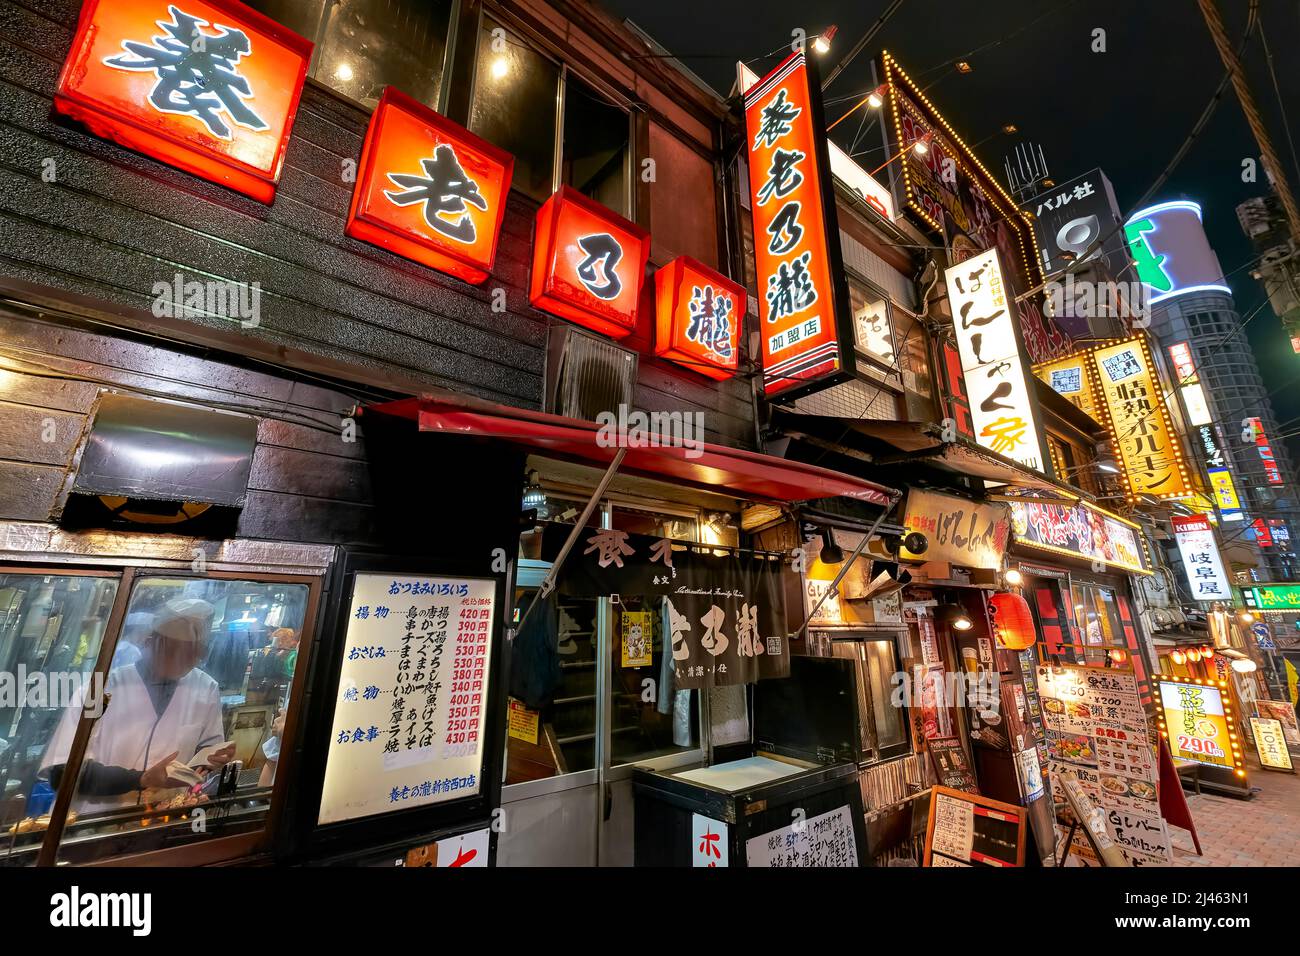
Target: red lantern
1193,655
1178,657
1207,652
1118,655
1013,624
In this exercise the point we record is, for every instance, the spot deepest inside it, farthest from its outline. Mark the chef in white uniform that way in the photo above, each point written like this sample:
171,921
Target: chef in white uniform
162,708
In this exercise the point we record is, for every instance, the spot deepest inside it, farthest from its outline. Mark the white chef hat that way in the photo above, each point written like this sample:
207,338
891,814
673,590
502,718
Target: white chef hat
185,619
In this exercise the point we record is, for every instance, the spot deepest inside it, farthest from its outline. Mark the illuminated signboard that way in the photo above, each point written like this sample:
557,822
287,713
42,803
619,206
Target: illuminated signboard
1271,473
208,86
1197,720
1071,378
1189,385
1184,364
697,318
1081,531
588,264
1225,490
1272,597
1139,421
429,190
984,320
948,189
1171,253
1201,560
806,326
1263,536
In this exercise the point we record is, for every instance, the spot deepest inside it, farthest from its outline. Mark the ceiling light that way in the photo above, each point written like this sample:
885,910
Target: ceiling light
1013,577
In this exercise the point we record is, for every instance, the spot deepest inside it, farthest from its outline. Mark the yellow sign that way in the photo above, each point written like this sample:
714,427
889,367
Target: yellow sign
1194,719
1072,379
638,630
1270,744
1225,492
524,723
1139,420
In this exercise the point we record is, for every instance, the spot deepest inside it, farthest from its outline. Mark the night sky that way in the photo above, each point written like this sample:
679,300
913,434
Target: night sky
1126,110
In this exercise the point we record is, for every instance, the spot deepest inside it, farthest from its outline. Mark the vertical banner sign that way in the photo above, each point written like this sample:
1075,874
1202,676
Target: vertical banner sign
1271,472
429,190
588,264
807,330
983,317
409,717
1205,572
207,86
1139,420
697,318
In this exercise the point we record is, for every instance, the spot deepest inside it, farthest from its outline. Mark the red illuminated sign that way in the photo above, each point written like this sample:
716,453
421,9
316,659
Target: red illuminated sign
1272,474
208,86
429,190
697,317
1263,536
802,291
588,264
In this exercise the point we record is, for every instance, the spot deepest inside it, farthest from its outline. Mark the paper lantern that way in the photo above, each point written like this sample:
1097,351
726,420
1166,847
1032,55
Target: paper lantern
1207,652
1193,655
1013,624
1118,655
1178,657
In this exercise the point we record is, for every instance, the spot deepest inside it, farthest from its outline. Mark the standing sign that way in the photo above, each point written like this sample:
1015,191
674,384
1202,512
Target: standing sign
964,532
807,331
966,829
411,705
1098,735
429,190
1284,714
208,86
588,264
1270,745
1139,420
1197,720
1205,573
698,314
997,383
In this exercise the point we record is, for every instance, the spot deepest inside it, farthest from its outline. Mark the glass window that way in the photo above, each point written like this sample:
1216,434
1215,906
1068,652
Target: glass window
890,721
515,96
51,628
669,721
552,687
873,331
1096,616
596,146
188,746
364,45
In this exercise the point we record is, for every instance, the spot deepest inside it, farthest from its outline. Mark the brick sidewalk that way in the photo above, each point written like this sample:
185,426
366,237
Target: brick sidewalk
1261,831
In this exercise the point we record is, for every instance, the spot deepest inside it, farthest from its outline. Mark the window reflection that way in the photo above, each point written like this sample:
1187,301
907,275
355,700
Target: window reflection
51,628
595,146
187,748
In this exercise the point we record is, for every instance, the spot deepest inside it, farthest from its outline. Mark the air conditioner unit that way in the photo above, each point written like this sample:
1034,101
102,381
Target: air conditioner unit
586,374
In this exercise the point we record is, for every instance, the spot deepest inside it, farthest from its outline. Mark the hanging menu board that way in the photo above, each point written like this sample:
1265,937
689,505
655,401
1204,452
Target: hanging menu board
412,696
969,830
1097,736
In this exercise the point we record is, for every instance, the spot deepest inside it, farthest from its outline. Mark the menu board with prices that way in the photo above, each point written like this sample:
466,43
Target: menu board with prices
1270,744
824,840
408,726
1099,741
965,829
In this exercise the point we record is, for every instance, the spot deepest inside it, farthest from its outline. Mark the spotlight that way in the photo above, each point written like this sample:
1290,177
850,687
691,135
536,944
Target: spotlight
922,145
876,98
1013,577
915,542
823,43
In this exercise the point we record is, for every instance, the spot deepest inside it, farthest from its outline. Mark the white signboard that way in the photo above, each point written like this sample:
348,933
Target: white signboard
468,850
1201,560
408,726
824,840
984,319
709,842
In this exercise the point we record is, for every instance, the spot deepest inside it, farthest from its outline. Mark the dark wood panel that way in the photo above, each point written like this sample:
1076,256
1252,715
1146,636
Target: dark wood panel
24,430
28,492
38,391
290,471
292,518
304,438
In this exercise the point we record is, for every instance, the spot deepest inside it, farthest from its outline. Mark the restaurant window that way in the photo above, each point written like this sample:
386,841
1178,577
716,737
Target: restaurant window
889,721
363,46
1097,619
873,329
188,747
51,629
518,93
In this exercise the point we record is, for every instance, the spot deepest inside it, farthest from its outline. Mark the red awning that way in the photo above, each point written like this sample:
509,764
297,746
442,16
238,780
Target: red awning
731,471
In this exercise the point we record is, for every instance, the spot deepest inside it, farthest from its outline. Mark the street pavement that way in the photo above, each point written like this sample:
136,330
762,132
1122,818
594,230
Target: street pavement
1261,831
